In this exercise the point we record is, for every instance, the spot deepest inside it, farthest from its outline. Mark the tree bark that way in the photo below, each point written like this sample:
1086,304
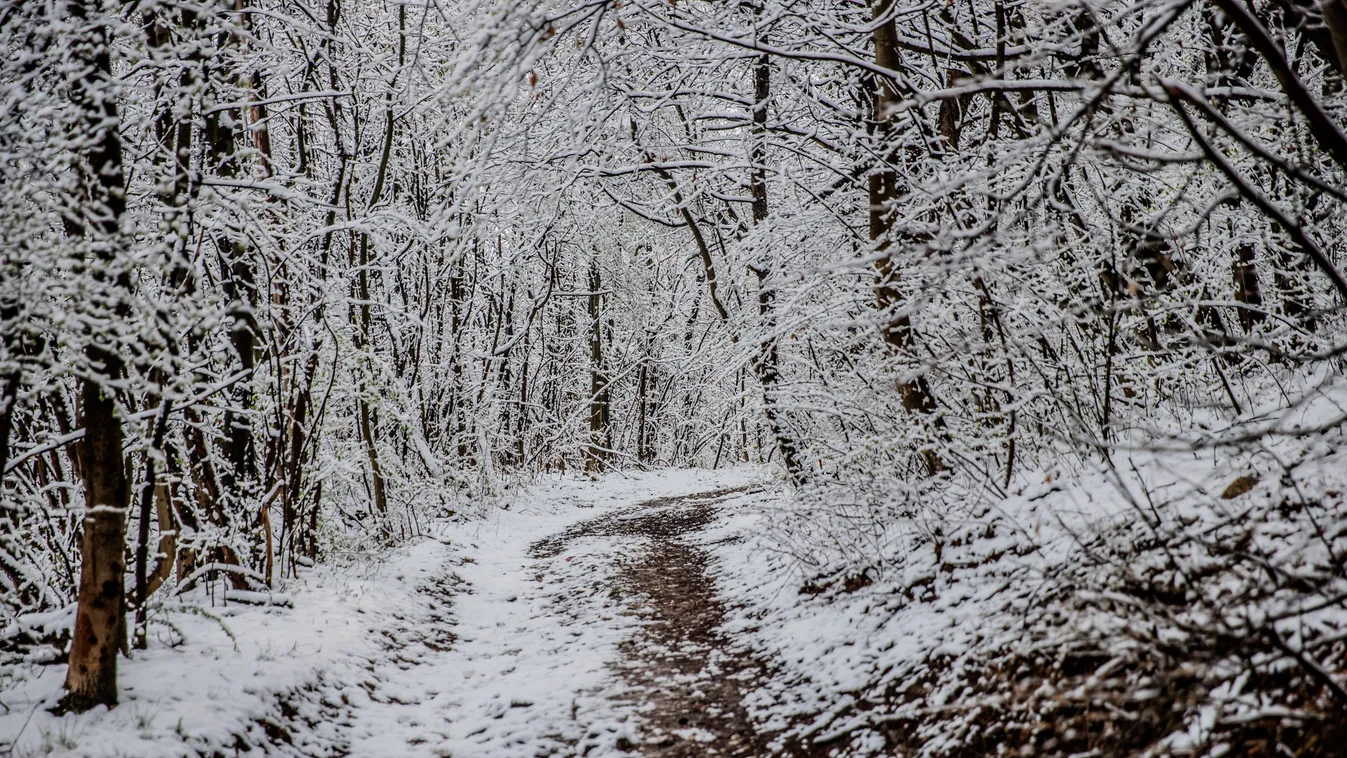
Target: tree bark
240,286
367,427
766,363
600,428
100,628
883,191
1247,290
143,532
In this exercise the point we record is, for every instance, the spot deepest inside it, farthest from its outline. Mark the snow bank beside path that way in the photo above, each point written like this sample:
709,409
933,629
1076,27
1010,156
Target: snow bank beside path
457,644
214,673
1147,593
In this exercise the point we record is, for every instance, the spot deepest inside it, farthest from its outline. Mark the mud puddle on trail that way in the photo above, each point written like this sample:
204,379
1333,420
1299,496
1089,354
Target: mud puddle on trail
687,678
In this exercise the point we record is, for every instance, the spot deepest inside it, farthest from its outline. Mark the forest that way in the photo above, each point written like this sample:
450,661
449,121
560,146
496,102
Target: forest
962,377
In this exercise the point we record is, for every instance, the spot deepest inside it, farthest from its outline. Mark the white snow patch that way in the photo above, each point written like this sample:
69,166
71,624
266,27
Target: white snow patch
346,646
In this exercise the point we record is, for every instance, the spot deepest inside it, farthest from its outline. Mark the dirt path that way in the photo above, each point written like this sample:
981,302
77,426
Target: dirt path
637,577
688,679
586,621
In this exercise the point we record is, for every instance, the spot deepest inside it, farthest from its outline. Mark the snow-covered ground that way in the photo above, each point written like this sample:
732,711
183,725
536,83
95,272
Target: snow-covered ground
1071,562
474,643
459,644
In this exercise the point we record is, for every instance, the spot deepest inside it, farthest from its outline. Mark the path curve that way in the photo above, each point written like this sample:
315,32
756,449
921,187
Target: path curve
507,655
687,679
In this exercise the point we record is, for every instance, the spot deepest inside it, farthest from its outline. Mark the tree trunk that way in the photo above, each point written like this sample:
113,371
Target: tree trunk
766,363
367,427
643,452
143,532
100,628
9,394
239,282
600,428
883,191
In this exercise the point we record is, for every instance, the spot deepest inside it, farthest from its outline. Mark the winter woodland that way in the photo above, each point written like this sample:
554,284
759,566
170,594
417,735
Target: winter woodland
971,370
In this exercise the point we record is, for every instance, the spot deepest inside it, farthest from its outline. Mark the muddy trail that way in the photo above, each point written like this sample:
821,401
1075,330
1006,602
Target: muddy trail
682,675
688,678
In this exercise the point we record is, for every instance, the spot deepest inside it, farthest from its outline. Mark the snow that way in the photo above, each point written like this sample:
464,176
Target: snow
990,586
469,643
457,644
1121,481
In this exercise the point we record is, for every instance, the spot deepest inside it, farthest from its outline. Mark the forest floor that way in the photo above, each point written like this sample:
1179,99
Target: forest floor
687,677
584,619
700,613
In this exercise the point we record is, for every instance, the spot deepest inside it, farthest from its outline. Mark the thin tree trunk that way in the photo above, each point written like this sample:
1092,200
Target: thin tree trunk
168,539
643,407
143,530
883,191
240,286
600,427
9,395
380,497
766,362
